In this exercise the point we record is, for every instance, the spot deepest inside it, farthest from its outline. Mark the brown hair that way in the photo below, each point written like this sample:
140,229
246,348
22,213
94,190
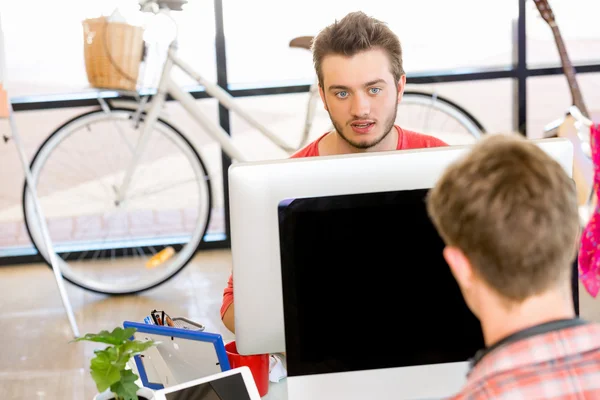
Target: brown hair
512,210
354,33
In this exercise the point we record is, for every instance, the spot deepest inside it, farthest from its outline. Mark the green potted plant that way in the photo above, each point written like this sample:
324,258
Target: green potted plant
114,380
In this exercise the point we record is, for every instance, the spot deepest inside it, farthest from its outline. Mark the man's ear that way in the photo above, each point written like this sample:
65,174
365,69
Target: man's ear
322,94
460,266
401,86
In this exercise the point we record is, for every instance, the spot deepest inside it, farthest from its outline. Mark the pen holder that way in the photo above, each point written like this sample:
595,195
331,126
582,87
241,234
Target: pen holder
258,364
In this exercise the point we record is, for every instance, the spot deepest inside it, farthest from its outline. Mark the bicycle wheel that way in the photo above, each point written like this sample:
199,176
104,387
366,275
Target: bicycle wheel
437,116
126,247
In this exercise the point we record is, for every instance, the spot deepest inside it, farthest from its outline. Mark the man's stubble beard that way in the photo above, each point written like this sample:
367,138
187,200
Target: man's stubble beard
388,125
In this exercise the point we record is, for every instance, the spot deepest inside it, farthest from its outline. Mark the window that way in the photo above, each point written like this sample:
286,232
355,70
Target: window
45,54
577,21
443,36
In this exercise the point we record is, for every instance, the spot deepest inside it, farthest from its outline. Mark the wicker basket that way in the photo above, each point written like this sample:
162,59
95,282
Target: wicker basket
113,53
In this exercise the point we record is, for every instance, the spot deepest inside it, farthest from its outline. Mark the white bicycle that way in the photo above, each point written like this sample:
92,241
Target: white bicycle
126,194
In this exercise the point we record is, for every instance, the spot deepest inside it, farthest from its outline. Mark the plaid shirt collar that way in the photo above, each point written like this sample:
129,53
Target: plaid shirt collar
541,343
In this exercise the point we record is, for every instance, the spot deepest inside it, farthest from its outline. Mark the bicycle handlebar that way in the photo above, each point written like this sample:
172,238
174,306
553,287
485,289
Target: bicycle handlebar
577,114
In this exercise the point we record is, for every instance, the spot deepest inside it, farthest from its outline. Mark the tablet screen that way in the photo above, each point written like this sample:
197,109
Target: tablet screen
231,387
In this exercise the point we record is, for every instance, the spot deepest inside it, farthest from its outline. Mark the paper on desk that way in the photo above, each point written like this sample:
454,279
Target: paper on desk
276,369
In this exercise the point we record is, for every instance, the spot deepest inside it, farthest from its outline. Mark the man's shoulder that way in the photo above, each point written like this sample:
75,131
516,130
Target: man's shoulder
415,140
568,358
310,150
533,381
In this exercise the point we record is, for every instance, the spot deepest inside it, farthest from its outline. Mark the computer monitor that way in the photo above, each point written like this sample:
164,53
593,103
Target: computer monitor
372,295
316,274
256,190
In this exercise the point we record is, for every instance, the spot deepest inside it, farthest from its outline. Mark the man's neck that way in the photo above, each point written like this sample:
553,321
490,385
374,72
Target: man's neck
498,322
334,144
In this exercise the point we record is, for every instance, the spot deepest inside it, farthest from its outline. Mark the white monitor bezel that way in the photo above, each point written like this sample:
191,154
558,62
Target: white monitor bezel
256,189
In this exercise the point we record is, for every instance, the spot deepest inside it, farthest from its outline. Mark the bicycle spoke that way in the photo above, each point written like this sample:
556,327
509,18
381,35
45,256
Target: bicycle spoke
120,131
155,190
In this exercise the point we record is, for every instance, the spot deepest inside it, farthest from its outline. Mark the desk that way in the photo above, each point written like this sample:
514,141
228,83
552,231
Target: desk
277,391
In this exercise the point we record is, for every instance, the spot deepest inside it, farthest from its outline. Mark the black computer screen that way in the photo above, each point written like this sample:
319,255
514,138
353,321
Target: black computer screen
230,387
365,286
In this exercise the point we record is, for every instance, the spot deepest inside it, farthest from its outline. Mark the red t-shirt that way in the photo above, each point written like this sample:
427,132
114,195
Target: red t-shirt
406,140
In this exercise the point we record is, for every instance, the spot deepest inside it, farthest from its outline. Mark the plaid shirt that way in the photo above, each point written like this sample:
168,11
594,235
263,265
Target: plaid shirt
560,364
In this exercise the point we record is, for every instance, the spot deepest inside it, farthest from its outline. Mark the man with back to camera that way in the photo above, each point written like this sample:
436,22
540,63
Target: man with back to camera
358,61
508,214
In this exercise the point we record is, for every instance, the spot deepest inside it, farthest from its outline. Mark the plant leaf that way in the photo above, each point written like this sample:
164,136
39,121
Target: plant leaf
129,349
103,370
126,388
136,346
116,337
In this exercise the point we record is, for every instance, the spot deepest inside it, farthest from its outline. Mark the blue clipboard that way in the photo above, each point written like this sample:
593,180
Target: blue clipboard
181,356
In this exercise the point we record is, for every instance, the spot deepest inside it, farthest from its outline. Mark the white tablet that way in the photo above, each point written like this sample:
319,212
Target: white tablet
234,384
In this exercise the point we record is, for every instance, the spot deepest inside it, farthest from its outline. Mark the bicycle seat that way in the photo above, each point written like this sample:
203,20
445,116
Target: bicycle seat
302,42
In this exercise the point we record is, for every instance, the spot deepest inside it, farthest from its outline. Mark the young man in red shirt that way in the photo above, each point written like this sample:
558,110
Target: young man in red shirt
358,61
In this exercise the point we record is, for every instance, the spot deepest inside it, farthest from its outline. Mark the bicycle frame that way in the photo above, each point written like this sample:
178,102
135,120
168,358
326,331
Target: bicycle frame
168,86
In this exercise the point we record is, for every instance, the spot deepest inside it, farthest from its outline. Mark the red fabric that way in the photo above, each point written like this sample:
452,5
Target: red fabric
406,140
589,256
227,296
